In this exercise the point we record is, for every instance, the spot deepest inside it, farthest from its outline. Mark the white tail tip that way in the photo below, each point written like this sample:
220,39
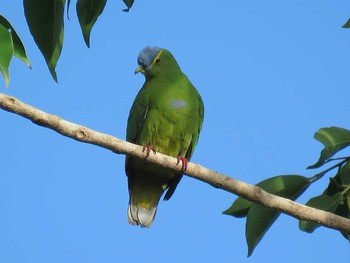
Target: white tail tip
141,216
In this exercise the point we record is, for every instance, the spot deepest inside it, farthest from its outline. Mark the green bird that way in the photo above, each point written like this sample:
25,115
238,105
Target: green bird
166,117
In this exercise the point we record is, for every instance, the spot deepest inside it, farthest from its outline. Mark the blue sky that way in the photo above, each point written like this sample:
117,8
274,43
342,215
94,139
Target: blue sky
271,73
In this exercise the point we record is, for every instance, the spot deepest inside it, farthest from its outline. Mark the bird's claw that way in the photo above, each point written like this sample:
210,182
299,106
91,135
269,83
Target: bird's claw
184,162
148,148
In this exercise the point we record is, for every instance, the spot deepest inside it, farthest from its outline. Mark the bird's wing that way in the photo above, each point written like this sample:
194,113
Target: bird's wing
137,117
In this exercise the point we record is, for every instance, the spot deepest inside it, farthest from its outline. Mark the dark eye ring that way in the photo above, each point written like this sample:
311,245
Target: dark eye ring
158,60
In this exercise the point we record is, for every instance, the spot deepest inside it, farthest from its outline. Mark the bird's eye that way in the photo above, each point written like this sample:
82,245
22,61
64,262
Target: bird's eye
158,60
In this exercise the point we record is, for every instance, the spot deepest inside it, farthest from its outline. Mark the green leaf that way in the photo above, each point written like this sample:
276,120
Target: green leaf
239,208
334,139
344,174
6,53
88,11
45,21
259,218
347,24
129,4
282,185
18,47
334,187
344,211
323,202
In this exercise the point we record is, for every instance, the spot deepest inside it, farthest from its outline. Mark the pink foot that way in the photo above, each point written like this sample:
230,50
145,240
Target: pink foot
184,162
149,148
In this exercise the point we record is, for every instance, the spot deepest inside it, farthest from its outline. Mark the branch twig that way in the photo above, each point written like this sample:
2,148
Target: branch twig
250,192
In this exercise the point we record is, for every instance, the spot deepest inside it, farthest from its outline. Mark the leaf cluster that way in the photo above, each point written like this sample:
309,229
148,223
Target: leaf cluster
45,19
11,45
334,199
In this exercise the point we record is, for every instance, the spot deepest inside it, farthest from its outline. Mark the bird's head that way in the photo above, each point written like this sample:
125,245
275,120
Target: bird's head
154,61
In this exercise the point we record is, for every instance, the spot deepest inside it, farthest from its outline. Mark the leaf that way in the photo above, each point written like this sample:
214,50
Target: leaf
275,185
18,47
334,139
6,53
323,202
344,174
347,24
45,21
259,218
344,211
239,208
334,187
129,4
88,11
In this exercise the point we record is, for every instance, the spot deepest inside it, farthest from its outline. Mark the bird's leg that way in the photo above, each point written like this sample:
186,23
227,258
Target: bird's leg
184,162
149,148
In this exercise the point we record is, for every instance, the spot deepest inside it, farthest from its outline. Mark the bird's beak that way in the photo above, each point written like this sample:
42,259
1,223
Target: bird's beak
139,69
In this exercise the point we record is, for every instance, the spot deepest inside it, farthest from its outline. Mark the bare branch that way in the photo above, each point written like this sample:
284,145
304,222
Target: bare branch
250,192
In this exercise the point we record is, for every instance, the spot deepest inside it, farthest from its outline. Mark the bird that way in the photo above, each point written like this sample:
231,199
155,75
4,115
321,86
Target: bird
166,117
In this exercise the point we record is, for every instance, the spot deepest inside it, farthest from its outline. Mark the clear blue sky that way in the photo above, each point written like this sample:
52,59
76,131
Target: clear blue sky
271,73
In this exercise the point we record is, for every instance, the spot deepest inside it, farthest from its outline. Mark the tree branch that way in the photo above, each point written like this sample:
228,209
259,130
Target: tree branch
250,192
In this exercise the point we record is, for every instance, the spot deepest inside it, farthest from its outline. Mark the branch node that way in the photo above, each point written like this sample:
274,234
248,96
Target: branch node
10,101
81,134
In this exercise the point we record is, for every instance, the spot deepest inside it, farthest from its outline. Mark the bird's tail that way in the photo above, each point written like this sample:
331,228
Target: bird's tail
141,215
143,202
